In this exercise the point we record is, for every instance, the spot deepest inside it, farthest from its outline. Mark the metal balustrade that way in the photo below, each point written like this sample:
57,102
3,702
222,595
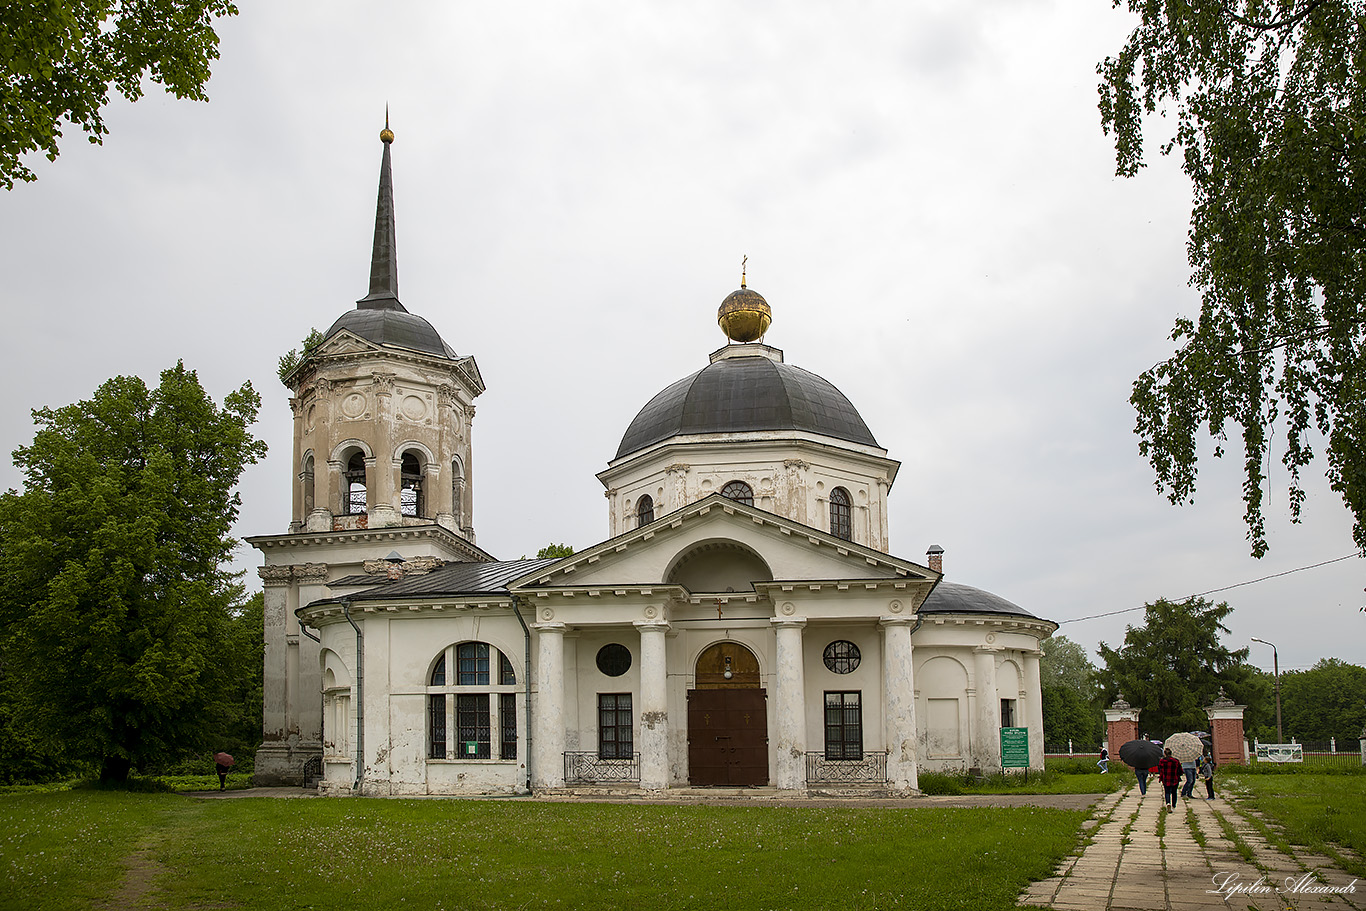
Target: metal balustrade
590,768
871,769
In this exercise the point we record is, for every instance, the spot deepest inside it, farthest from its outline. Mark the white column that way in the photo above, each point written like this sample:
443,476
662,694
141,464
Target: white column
654,706
549,734
987,726
898,697
791,705
1033,708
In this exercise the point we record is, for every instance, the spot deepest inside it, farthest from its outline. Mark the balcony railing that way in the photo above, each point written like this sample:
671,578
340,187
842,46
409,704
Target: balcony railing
589,768
871,769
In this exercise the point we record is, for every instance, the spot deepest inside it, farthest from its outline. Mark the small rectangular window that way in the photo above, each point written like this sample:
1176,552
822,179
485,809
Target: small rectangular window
1007,713
436,710
615,737
472,660
472,726
507,722
844,725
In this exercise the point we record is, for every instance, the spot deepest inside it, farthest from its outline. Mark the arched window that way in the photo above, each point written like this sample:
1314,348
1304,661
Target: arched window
308,486
739,491
645,511
840,524
483,709
353,485
410,499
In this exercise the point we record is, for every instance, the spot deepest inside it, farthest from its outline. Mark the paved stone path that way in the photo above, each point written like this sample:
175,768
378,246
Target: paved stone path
1128,867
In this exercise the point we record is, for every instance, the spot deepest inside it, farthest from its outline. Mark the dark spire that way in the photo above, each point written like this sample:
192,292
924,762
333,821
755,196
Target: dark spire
384,260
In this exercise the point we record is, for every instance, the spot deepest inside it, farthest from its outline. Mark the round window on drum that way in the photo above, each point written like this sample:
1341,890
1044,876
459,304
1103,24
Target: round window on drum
614,659
842,657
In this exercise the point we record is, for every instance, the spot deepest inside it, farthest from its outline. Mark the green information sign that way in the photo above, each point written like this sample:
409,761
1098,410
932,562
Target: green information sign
1015,748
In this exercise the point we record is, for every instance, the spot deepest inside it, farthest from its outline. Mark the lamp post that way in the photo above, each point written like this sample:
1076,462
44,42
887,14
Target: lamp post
1275,669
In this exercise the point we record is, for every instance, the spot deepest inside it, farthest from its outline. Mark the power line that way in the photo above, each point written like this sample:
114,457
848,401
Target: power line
1298,569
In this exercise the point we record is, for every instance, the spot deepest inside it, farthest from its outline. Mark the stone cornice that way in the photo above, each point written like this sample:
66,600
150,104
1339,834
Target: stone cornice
388,534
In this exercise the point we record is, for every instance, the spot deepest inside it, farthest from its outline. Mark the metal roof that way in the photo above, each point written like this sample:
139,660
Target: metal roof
741,394
395,328
451,580
956,598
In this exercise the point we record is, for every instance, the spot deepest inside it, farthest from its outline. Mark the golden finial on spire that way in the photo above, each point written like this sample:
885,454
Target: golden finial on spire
744,315
386,135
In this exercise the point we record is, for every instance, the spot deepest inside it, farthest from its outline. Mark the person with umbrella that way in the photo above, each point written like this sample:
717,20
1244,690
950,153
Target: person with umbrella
224,763
1187,750
1169,770
1140,755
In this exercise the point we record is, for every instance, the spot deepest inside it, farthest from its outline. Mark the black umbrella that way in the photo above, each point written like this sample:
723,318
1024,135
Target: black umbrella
1140,754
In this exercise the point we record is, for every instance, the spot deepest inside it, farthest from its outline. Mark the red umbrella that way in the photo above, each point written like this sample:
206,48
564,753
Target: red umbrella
224,759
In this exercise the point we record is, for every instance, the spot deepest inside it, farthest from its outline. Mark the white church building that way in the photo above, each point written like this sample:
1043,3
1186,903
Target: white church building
743,625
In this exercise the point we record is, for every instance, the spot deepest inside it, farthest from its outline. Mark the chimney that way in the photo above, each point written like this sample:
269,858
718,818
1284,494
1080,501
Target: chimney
936,555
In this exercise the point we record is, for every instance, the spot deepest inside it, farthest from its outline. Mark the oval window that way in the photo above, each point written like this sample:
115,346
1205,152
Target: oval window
842,656
614,660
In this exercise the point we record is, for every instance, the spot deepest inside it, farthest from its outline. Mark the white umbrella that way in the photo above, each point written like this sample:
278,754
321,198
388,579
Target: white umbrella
1185,747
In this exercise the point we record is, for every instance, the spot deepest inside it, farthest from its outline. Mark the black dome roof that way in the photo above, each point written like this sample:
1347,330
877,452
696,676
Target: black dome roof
956,598
742,394
392,327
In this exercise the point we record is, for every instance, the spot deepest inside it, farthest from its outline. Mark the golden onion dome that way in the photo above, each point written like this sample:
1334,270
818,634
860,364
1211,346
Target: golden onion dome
744,315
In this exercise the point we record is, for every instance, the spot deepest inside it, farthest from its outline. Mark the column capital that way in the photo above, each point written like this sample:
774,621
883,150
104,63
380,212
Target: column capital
788,622
987,649
897,621
651,626
274,575
550,627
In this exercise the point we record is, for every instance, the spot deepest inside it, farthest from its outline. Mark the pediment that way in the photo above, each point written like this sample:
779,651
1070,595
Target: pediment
717,538
346,342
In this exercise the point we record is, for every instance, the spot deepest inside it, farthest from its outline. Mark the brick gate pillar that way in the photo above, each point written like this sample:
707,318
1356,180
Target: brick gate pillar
1121,725
1226,722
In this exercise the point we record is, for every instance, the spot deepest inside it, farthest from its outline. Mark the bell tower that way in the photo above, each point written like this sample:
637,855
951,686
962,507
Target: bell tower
382,464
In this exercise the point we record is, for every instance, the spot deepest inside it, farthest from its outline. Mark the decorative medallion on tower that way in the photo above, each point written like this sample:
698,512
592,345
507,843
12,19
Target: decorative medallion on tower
744,315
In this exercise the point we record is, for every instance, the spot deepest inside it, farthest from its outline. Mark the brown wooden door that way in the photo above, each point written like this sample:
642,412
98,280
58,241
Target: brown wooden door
728,737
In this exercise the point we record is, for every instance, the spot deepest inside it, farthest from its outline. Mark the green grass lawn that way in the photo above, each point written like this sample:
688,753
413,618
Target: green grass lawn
69,850
1314,810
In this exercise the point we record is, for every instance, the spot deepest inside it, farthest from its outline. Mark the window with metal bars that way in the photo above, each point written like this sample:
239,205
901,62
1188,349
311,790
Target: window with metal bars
615,738
841,523
844,725
436,738
353,485
467,732
507,725
472,726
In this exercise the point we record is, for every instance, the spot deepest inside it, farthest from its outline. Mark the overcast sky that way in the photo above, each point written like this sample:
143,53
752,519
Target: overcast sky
923,190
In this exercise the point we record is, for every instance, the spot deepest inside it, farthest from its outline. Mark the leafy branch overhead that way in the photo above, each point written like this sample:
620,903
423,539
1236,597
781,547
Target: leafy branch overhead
59,59
294,357
1266,101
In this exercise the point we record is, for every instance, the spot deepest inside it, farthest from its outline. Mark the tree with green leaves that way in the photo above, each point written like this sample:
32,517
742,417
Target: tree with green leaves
1070,694
1174,665
1266,102
1327,701
59,59
115,604
555,550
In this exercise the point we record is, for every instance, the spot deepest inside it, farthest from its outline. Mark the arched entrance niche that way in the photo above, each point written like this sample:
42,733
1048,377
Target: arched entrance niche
718,566
727,719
